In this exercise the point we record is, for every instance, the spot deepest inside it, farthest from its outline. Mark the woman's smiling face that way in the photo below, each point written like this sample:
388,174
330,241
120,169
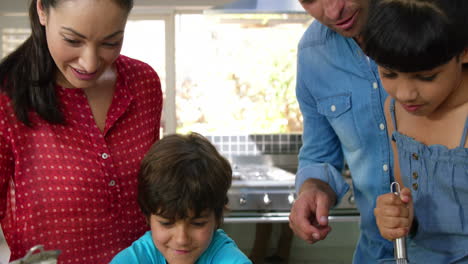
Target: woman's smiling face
82,41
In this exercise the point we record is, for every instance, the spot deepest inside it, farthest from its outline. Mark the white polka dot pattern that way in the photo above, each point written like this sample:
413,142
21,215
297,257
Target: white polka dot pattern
72,187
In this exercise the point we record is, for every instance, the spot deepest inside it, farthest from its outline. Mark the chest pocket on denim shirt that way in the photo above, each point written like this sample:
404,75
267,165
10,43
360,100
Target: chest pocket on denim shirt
337,109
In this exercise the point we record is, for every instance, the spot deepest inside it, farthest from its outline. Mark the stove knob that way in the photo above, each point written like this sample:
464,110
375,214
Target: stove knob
242,201
291,198
266,199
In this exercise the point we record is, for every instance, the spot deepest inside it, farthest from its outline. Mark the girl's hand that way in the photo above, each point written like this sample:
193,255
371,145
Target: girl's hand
394,215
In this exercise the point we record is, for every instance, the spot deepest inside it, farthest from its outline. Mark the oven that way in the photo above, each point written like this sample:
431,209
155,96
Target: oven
262,191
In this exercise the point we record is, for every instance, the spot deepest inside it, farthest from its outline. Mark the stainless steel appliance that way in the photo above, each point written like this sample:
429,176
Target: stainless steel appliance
263,190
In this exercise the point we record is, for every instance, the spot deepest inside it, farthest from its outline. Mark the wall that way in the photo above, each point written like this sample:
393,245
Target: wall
14,6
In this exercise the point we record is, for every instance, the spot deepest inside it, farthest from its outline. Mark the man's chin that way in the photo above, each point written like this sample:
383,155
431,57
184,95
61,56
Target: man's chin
351,33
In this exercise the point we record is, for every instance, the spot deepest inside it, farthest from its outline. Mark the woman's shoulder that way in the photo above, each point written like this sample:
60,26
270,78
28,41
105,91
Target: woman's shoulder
4,98
131,62
5,108
6,105
137,75
127,66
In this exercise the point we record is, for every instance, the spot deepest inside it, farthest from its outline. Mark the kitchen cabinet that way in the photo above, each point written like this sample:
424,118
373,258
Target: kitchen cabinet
337,248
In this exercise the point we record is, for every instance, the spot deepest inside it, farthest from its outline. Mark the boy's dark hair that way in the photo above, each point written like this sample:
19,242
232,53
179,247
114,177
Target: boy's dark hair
415,35
183,174
27,75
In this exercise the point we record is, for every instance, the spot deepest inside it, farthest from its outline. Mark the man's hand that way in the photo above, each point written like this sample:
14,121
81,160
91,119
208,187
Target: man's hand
309,213
394,215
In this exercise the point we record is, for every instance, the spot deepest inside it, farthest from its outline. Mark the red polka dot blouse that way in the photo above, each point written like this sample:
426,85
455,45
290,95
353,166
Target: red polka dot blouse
72,187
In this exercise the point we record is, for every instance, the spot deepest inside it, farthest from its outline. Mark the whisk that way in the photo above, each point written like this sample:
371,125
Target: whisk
399,244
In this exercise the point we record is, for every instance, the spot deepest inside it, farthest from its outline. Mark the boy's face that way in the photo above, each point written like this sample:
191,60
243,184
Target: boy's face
423,93
183,241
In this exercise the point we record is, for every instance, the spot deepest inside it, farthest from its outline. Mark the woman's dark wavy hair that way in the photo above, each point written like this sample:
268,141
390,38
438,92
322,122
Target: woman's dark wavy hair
27,75
181,175
415,35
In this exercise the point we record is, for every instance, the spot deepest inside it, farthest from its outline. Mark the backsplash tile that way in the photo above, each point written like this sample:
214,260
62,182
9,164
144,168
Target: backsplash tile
257,144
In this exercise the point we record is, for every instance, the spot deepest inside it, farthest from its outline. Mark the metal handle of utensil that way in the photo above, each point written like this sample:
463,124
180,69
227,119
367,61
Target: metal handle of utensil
400,248
399,243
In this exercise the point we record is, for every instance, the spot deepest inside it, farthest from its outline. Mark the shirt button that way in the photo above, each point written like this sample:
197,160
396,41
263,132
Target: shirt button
104,156
415,156
385,167
375,85
333,108
415,186
112,183
415,175
382,126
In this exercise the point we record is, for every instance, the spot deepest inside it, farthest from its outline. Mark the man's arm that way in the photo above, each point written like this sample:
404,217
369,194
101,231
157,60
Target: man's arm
319,182
309,214
320,156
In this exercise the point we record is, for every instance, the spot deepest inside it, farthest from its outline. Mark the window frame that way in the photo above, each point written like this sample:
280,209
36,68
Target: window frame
168,119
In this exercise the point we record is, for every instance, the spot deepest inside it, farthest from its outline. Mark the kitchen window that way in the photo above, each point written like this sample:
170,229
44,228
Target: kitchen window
233,74
236,73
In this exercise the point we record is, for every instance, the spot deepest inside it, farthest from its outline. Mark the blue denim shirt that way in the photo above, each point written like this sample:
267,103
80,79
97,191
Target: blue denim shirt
341,100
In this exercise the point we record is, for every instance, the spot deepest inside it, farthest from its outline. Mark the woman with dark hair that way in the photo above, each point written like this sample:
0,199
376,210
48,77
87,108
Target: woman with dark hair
76,118
421,47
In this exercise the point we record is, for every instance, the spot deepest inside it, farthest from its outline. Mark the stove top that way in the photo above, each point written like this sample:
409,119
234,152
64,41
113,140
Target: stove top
261,187
270,189
258,176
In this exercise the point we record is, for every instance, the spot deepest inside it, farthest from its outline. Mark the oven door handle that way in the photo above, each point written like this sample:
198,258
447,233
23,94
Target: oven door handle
282,218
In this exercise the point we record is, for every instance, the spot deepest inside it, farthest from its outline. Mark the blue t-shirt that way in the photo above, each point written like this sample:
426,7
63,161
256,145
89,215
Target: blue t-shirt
222,249
341,100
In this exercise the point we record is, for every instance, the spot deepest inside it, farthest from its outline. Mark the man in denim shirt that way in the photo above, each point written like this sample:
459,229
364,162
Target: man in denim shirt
341,100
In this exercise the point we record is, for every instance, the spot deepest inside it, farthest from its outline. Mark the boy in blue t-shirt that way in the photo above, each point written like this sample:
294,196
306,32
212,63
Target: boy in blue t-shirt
182,191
